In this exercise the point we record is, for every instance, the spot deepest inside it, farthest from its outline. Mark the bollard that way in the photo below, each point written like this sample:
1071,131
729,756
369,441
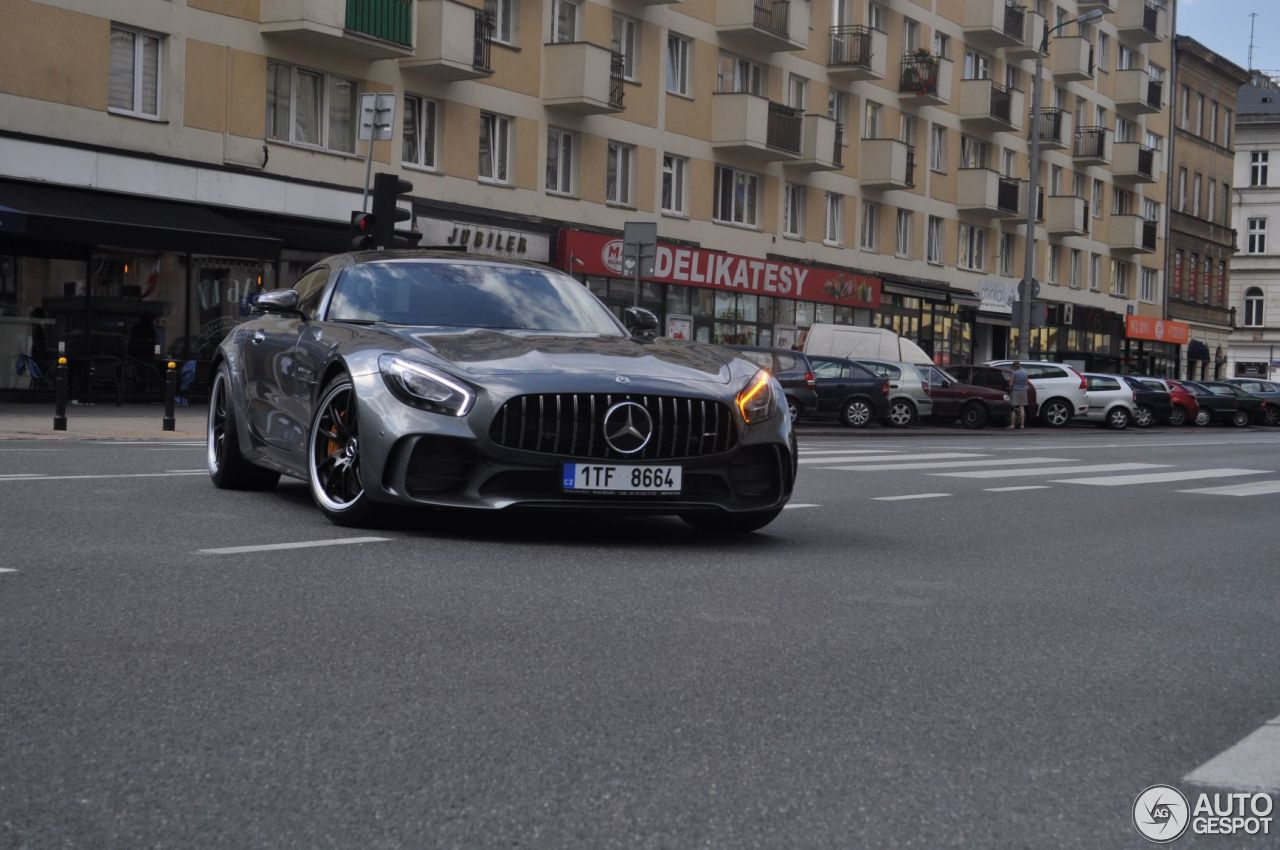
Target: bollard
60,395
170,383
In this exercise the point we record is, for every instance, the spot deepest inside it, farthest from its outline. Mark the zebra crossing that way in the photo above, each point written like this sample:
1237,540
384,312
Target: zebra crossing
1051,469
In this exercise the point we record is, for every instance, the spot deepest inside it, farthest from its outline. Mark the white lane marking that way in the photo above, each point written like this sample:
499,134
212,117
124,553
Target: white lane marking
156,443
951,464
805,451
1251,488
184,471
1051,470
904,498
302,544
7,570
1016,489
119,475
1251,765
1158,477
19,475
889,457
799,505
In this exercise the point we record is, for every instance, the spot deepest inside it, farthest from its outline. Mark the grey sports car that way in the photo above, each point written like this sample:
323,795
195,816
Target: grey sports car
434,379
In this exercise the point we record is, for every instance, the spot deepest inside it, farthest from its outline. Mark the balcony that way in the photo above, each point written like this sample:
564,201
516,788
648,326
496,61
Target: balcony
1055,129
984,191
822,145
454,41
1137,93
857,53
1071,58
747,123
886,164
1134,163
1142,23
1107,6
995,24
1092,146
1066,215
925,79
1132,234
581,77
373,29
987,106
766,26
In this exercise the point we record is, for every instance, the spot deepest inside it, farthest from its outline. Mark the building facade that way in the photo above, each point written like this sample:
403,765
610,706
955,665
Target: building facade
1201,239
162,161
1255,269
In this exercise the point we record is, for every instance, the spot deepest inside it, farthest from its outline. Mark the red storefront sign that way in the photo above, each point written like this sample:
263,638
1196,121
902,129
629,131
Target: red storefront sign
1177,273
599,254
1157,330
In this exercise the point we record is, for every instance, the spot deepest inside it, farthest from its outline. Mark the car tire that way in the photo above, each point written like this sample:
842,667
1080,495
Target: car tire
1203,416
1145,417
1178,416
1118,419
731,523
1055,413
1240,418
856,413
228,468
901,413
974,415
793,409
333,468
1270,414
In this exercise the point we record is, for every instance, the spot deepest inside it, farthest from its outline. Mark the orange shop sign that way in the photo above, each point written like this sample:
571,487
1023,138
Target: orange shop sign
1158,330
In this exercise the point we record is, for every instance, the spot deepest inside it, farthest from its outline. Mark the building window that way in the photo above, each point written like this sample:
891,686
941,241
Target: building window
1073,269
870,225
1148,290
797,91
1206,292
310,108
941,45
1182,190
495,147
1226,203
1094,269
559,161
933,240
902,246
739,75
938,148
1104,50
1055,257
419,146
134,84
626,43
1097,199
1253,317
835,219
1184,107
1122,201
1195,195
618,171
1226,127
1119,278
1213,122
1176,289
1258,168
974,153
793,210
737,196
1211,202
564,21
973,248
876,17
1199,114
674,169
838,110
1257,236
677,64
977,66
1126,58
871,121
502,13
1006,254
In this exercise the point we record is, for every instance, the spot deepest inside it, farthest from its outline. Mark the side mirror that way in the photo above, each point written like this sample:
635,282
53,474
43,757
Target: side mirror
283,301
640,322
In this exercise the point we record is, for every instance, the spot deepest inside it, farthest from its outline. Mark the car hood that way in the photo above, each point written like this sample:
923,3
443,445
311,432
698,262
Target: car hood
484,352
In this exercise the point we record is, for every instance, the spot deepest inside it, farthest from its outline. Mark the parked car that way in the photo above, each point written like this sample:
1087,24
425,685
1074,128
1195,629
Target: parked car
1220,406
793,371
849,392
1268,391
1060,388
909,397
854,342
1254,407
1154,403
974,406
1111,401
1185,406
993,378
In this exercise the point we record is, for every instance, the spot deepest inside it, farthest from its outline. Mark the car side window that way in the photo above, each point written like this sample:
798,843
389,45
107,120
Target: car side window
310,289
826,369
861,373
1096,382
1051,372
760,358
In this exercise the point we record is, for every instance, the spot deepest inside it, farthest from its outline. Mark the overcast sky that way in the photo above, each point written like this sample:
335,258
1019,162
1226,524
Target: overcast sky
1223,26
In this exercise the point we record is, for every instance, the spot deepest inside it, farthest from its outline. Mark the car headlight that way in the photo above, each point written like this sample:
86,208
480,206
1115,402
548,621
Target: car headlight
1006,396
757,400
421,386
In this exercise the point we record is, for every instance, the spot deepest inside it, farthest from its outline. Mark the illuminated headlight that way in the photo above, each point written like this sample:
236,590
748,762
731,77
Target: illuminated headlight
757,401
421,386
1006,396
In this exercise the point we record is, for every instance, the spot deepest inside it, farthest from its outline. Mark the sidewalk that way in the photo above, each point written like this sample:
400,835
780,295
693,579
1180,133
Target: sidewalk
101,422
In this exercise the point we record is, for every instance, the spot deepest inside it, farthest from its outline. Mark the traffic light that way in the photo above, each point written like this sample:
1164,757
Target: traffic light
361,234
387,189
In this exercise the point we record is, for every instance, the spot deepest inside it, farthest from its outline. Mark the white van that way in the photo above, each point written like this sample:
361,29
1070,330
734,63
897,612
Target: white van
858,343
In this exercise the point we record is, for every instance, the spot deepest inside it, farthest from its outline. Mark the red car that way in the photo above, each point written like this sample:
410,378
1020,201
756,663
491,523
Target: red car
973,405
994,378
1185,406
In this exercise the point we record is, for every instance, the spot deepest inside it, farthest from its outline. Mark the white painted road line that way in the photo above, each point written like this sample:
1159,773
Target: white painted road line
889,457
1159,477
951,464
1051,470
904,498
19,475
799,505
804,451
185,471
302,544
1251,765
1016,489
119,475
1250,488
7,570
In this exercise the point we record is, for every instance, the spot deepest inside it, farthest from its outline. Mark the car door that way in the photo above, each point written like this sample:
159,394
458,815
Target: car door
315,339
946,398
833,381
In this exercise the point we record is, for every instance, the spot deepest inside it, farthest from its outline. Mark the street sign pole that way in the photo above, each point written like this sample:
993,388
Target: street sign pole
377,111
640,243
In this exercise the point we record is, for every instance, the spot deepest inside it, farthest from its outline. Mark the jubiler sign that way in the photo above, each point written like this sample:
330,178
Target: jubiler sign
594,253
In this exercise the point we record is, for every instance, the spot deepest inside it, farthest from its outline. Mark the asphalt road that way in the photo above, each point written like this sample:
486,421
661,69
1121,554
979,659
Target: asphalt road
983,668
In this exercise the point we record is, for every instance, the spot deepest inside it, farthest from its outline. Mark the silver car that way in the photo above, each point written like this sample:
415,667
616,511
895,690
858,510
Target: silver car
909,398
1111,401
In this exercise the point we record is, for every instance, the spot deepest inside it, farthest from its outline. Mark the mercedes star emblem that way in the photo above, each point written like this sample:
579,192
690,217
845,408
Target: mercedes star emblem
628,427
622,379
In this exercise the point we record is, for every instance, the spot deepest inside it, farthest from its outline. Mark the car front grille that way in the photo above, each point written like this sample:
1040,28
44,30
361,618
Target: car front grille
572,425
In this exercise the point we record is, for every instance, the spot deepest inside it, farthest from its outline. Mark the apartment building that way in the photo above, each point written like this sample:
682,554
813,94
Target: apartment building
1254,293
1201,239
161,161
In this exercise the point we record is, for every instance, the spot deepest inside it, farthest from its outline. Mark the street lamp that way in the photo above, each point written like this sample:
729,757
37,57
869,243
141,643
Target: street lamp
1025,294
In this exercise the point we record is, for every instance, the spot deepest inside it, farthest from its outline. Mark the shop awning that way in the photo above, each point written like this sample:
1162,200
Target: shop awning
39,212
1197,350
893,286
965,298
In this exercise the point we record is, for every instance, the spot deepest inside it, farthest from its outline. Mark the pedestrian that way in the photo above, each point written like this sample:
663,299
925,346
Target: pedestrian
1018,396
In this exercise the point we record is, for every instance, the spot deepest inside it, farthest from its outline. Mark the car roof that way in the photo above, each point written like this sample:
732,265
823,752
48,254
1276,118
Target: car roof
386,255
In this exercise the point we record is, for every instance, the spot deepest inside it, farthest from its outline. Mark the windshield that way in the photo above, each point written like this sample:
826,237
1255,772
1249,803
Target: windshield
468,295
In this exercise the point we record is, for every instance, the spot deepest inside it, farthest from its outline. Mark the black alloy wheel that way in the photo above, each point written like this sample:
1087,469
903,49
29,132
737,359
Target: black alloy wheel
1178,416
1240,418
333,464
974,415
228,468
1270,414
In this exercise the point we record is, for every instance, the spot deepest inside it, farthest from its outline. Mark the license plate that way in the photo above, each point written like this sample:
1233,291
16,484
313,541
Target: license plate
610,478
